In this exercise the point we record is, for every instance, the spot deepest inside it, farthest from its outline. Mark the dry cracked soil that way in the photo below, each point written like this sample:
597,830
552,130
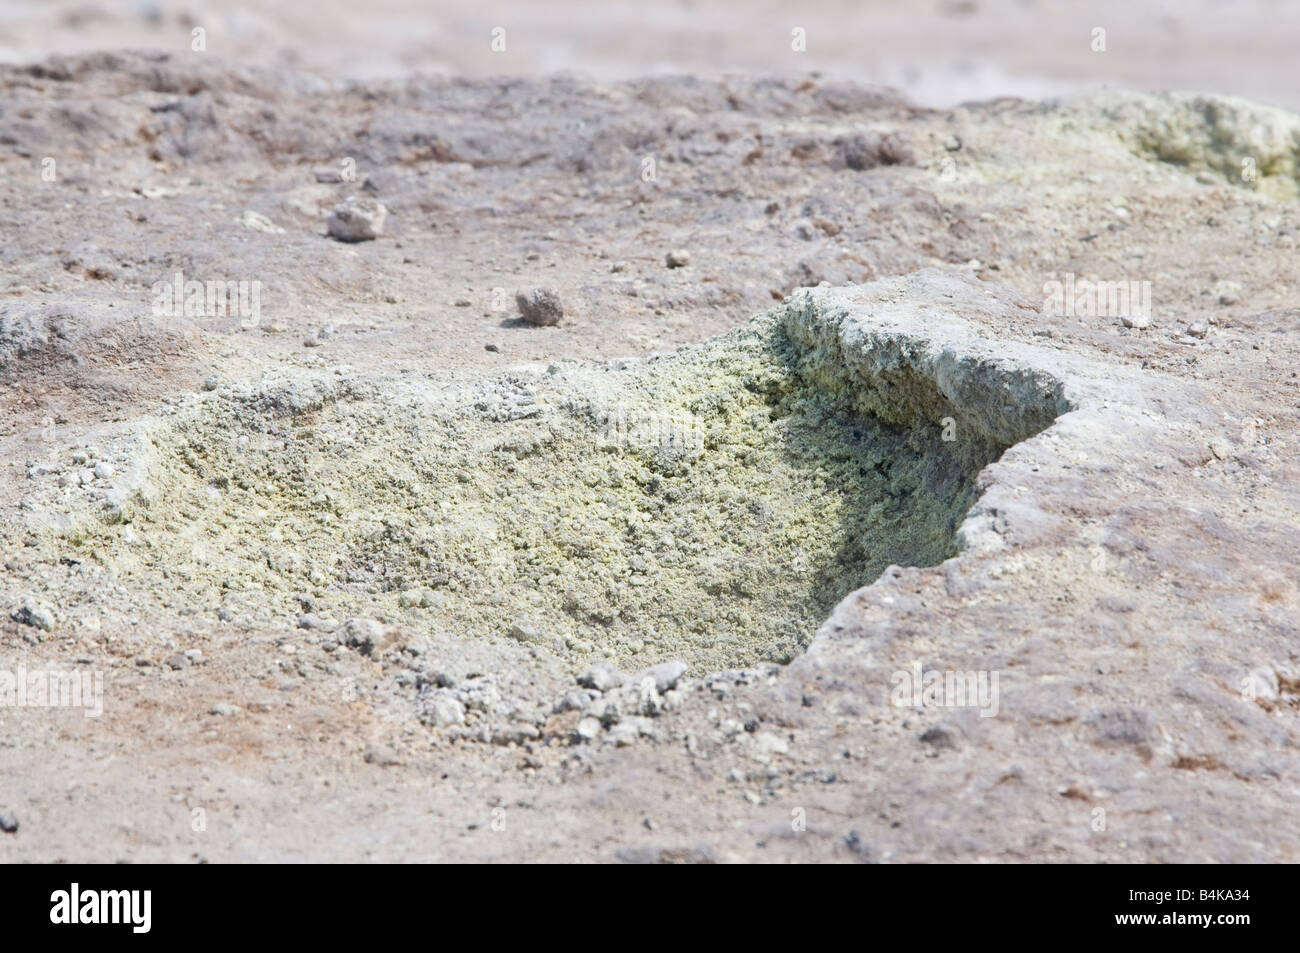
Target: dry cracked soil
900,482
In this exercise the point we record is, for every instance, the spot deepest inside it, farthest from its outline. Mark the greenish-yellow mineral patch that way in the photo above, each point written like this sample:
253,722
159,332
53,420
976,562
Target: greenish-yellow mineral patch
711,505
1252,146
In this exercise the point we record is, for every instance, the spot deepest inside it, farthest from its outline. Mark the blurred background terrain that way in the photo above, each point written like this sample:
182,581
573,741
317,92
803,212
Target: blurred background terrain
940,52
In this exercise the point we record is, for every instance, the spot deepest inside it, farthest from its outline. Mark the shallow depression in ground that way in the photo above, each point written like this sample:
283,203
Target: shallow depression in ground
712,505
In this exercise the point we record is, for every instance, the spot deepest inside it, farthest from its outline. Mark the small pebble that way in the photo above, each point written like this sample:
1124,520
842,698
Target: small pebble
320,337
524,632
665,675
444,711
357,220
33,614
601,677
539,307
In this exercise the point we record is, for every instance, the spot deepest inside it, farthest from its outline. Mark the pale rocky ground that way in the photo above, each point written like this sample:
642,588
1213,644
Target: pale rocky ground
1129,573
